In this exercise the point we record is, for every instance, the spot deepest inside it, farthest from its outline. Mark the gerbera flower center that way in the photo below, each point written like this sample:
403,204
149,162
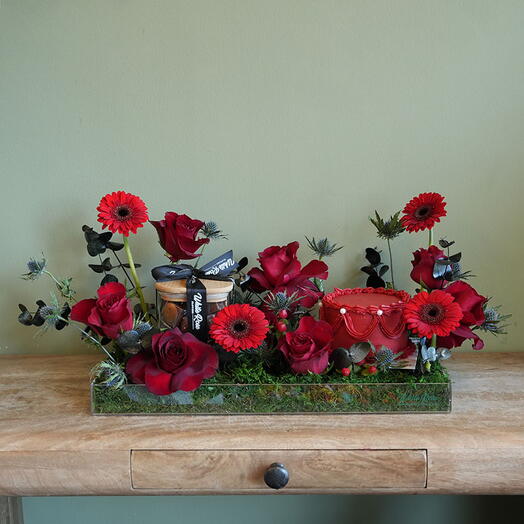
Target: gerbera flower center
423,212
432,313
240,328
122,212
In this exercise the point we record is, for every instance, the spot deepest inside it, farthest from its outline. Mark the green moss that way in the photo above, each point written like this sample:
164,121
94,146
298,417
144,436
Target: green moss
246,371
245,388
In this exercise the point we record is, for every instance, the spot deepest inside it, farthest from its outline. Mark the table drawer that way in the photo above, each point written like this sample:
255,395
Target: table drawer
222,470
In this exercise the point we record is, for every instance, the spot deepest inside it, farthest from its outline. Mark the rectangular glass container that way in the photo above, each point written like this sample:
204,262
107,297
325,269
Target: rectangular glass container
246,399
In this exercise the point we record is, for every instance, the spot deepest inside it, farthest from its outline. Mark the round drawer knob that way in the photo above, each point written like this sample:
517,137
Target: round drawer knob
276,476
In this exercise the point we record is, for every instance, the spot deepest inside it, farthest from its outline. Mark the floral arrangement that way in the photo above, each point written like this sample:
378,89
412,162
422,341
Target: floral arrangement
445,310
269,329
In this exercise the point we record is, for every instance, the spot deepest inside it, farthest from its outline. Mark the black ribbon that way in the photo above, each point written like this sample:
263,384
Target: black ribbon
218,269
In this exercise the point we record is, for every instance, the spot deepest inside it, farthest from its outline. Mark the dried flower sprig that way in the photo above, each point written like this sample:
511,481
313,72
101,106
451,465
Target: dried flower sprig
46,316
280,301
495,321
323,247
385,358
388,229
38,267
35,268
109,373
210,230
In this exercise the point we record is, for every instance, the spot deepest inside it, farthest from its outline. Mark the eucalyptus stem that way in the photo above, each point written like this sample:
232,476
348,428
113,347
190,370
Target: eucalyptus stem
123,268
136,281
391,264
92,339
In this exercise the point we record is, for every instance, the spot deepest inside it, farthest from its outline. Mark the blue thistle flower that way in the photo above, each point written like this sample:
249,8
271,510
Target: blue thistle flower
35,268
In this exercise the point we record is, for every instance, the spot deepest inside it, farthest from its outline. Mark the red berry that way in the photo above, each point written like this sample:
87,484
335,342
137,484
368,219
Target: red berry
346,371
281,327
283,313
372,370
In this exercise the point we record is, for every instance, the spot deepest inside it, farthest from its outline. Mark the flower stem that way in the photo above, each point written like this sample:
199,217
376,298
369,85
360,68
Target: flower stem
123,268
200,256
60,286
136,281
52,276
430,237
93,340
318,283
391,264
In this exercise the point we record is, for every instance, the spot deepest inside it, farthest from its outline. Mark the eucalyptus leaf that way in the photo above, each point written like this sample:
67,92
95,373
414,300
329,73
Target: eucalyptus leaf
383,269
373,256
360,351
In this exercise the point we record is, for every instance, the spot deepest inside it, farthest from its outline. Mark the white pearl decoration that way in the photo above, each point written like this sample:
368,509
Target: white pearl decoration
343,311
380,312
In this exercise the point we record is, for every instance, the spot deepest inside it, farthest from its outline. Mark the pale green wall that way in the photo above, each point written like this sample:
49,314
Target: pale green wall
275,118
284,118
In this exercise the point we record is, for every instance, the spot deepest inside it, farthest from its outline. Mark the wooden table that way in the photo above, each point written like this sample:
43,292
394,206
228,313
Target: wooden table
50,444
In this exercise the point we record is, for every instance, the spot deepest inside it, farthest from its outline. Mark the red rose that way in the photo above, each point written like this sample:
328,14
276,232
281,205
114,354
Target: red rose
177,362
177,234
472,305
282,271
308,347
423,262
109,314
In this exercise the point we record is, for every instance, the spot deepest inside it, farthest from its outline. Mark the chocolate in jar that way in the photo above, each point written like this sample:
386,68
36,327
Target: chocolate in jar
174,296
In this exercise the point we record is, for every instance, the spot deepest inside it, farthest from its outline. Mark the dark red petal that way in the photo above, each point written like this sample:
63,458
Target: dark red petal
136,366
306,325
315,365
259,281
315,268
160,227
81,310
111,288
157,381
466,332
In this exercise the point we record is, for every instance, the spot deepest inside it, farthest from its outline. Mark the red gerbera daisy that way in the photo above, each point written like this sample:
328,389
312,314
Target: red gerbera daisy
434,313
238,327
422,211
122,212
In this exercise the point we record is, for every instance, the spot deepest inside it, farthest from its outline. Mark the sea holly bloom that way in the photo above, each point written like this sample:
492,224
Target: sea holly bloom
423,211
435,313
122,212
35,268
178,236
307,349
238,327
109,315
177,362
281,271
472,307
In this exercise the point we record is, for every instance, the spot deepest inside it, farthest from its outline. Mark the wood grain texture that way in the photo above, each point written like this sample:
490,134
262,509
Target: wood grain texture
35,473
225,470
44,407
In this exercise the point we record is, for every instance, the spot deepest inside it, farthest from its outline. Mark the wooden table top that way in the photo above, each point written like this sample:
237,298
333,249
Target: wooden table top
45,407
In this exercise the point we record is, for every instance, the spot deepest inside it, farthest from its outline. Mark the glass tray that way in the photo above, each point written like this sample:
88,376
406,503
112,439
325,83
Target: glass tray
250,399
